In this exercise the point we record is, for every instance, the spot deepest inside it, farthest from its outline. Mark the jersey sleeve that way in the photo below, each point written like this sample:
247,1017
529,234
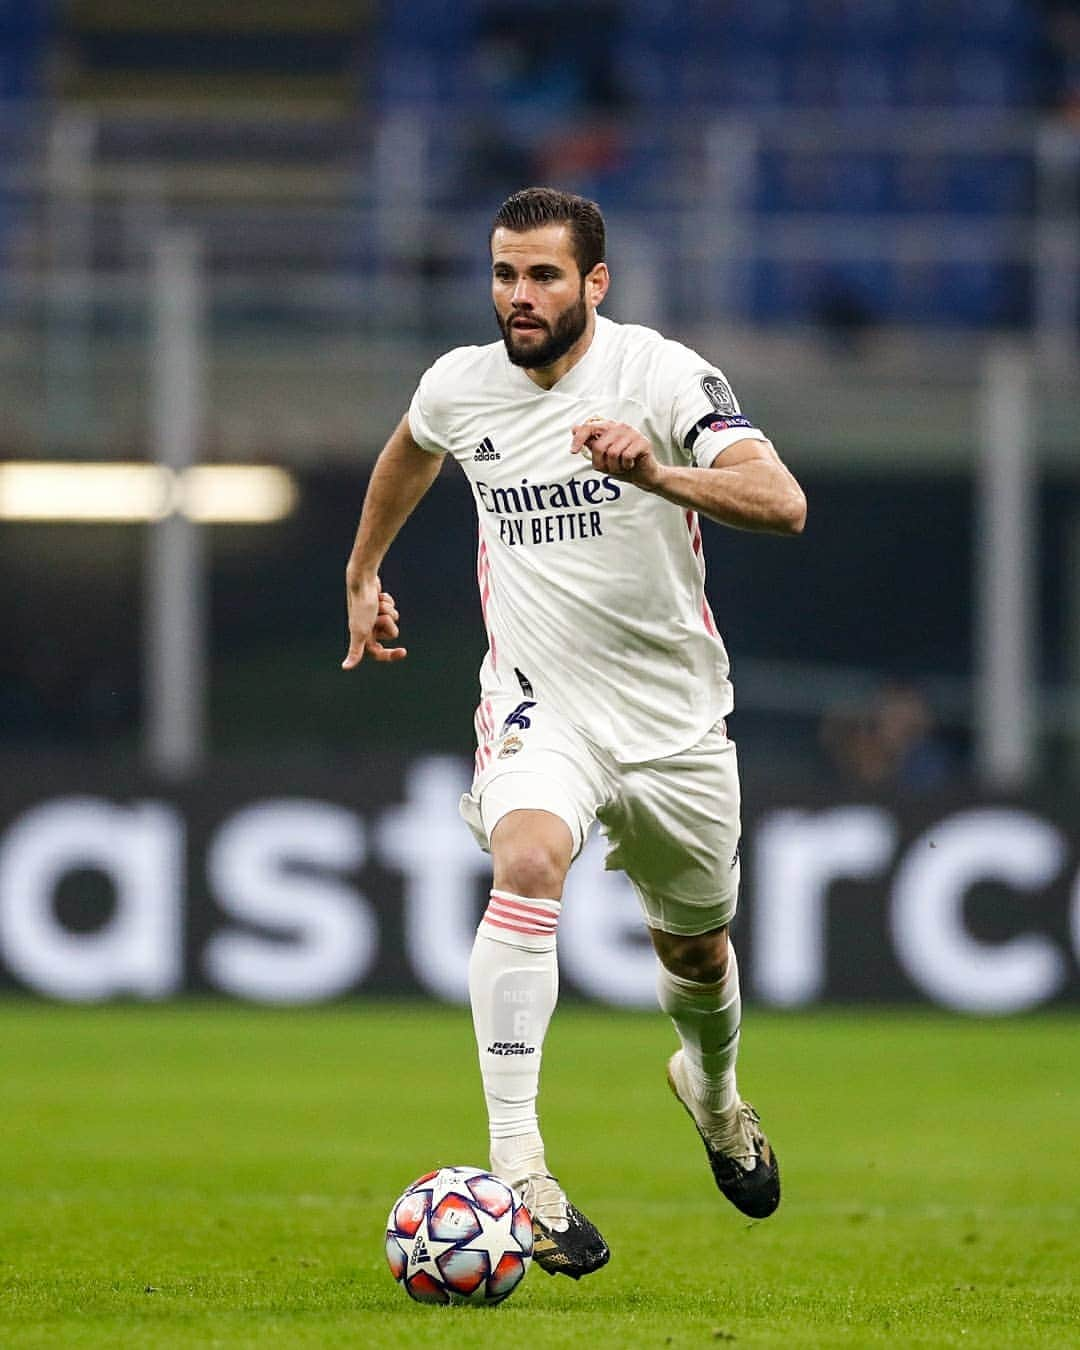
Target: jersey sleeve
428,413
705,414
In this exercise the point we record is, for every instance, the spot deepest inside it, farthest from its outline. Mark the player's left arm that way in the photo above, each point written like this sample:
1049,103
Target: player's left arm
747,485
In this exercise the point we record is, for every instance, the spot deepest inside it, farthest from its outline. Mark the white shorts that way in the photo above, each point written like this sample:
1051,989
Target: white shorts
672,823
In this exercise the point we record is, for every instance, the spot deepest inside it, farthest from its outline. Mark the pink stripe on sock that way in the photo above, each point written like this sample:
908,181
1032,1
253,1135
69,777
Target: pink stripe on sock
517,927
509,898
512,920
508,909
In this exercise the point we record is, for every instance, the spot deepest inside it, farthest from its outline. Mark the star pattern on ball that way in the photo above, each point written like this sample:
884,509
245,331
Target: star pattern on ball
496,1236
426,1251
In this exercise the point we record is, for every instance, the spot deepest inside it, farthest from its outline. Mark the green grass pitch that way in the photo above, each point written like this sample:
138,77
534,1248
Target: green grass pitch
205,1175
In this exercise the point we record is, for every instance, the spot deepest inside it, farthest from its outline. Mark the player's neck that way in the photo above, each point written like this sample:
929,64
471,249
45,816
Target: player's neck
548,376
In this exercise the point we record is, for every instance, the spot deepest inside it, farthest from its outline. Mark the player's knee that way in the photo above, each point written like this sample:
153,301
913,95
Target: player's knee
702,957
531,851
531,869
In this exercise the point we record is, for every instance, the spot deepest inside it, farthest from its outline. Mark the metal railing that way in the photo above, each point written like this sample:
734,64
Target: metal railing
374,234
398,209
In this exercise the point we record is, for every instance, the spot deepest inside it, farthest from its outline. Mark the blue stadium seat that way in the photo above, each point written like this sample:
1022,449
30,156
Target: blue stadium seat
648,170
858,20
990,185
423,48
740,85
661,28
770,185
855,293
986,77
978,293
962,75
841,77
866,79
22,49
787,289
29,17
917,290
812,79
429,23
823,183
415,76
24,29
763,22
920,183
651,79
973,19
862,182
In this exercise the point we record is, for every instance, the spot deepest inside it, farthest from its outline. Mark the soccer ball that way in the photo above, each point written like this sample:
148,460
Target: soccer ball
459,1235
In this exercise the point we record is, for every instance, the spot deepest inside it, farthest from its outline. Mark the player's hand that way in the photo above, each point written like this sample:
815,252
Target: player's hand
373,620
617,449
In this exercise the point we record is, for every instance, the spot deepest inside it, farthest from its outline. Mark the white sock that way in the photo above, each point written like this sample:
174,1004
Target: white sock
513,987
707,1018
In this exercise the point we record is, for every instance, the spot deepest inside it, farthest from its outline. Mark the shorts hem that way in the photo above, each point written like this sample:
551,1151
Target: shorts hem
552,800
693,917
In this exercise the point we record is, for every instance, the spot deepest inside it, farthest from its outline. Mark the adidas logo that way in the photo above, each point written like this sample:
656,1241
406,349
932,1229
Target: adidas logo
419,1252
485,451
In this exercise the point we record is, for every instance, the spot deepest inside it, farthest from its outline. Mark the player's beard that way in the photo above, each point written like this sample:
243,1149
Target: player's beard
561,336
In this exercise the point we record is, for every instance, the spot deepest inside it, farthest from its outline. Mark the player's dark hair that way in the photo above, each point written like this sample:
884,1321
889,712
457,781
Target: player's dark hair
534,207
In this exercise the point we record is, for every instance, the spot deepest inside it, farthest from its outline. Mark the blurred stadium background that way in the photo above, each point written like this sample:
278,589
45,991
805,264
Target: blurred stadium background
231,238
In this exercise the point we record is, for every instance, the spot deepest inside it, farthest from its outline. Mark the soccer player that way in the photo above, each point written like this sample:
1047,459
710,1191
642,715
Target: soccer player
592,448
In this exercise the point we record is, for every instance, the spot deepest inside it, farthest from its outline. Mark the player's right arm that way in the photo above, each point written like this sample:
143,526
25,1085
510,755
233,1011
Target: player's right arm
402,475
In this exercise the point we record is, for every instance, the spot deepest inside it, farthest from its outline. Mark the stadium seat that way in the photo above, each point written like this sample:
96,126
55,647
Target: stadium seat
990,185
855,59
787,289
920,183
980,294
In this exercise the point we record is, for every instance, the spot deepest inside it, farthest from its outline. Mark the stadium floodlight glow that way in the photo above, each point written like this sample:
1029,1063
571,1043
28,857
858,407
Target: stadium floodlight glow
55,491
235,494
107,492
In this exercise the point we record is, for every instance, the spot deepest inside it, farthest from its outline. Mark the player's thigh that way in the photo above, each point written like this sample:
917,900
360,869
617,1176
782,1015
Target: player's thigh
530,759
675,833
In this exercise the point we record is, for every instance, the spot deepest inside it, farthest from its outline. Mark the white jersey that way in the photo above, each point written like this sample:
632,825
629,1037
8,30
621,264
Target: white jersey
593,591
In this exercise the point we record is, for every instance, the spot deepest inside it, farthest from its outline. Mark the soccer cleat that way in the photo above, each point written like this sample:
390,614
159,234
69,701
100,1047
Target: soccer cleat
743,1163
564,1241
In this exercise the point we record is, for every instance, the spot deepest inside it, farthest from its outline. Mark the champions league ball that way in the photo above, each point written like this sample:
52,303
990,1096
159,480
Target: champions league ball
459,1235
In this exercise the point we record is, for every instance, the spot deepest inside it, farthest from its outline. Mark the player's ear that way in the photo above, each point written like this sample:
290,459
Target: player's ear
596,283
